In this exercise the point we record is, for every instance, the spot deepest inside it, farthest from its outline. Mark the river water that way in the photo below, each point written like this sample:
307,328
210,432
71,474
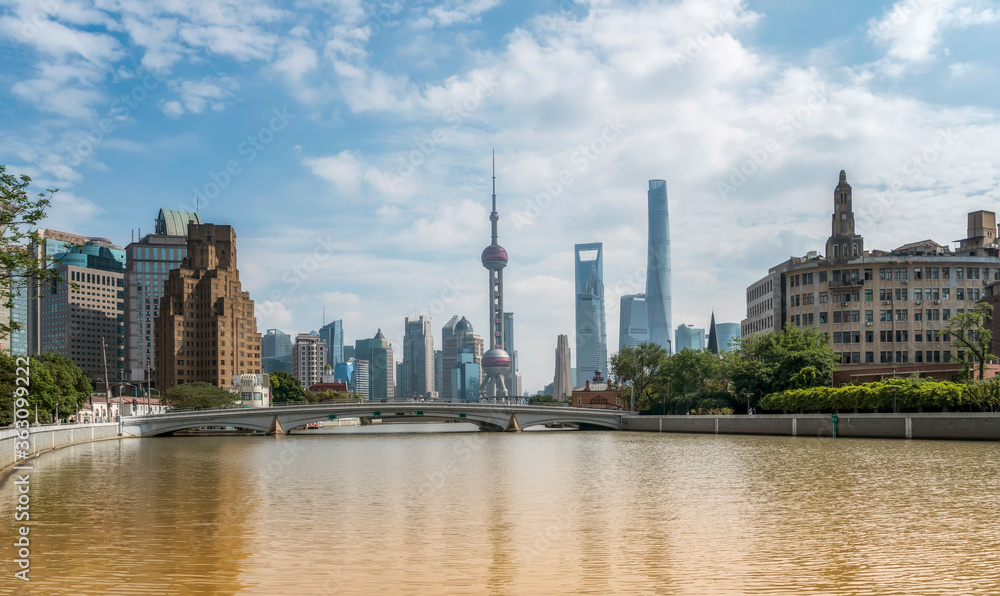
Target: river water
504,513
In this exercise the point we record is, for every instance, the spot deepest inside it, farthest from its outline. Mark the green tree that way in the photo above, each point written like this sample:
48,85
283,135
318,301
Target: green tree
690,379
638,368
970,334
773,362
286,388
545,400
199,396
19,217
73,388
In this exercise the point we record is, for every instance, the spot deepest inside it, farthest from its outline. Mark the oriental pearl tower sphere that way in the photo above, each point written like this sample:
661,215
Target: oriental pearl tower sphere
496,361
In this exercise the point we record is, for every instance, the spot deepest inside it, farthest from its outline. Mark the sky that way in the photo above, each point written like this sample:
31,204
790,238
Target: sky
349,142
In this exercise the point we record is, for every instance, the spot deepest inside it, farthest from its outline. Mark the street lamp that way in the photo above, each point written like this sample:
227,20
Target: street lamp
894,389
748,394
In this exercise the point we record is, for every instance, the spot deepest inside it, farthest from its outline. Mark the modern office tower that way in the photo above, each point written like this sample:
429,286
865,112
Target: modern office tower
348,353
563,381
362,379
688,337
417,378
466,338
591,326
465,377
344,373
438,373
86,323
333,334
377,352
147,264
496,362
16,343
308,359
276,351
658,296
727,333
449,355
713,337
52,246
400,389
508,345
633,328
206,330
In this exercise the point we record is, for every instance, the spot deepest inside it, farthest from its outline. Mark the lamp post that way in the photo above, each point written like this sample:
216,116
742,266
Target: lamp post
894,389
748,394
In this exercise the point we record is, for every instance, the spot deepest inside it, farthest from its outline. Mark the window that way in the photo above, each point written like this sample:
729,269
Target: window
869,336
959,273
836,251
824,297
869,357
837,317
822,277
869,316
822,318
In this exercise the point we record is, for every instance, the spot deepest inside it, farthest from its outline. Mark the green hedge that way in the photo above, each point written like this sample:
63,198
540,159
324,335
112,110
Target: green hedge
911,393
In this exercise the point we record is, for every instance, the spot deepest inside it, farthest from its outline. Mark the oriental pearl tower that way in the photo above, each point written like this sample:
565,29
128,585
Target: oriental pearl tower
496,361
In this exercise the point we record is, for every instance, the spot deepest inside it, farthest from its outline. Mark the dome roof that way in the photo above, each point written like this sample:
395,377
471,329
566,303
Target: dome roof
463,325
494,255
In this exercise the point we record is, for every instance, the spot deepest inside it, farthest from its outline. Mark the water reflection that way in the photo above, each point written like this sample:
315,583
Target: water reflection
580,513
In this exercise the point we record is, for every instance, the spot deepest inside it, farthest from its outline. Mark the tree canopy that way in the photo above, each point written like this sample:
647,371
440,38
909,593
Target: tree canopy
55,383
971,334
286,388
199,396
637,368
20,214
773,362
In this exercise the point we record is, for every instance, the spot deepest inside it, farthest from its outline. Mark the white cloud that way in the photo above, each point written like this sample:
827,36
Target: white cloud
454,12
912,32
196,96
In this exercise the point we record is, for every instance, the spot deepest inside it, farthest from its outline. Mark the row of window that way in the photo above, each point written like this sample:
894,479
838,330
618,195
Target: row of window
898,357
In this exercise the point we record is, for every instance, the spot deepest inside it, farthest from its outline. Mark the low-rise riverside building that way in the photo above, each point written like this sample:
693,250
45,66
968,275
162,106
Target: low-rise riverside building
883,310
596,393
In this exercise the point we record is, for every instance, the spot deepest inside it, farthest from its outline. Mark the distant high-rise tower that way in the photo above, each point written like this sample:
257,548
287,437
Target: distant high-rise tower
508,345
333,334
381,365
417,378
308,359
276,351
689,337
658,266
727,333
633,328
713,337
591,326
562,385
449,356
496,361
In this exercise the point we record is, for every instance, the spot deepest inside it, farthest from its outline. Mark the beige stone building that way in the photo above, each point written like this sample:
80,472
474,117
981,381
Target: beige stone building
879,307
206,329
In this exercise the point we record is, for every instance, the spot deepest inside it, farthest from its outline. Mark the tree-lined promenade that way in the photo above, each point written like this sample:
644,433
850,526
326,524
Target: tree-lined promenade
792,371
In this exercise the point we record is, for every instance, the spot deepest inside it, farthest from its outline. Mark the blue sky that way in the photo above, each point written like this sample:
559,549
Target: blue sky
357,140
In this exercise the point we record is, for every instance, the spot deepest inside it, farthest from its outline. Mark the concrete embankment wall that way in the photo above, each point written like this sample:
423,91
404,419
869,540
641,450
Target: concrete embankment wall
977,426
46,438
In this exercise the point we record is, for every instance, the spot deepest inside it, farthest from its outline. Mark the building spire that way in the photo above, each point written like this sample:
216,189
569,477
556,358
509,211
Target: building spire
494,216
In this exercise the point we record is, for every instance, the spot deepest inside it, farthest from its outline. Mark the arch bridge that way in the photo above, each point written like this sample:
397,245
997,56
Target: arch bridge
274,420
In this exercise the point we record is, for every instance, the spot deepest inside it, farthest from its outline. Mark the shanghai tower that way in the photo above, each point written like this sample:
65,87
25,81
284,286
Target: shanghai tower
496,361
658,267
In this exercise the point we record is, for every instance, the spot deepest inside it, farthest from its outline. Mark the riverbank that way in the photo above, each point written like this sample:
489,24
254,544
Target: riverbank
49,437
960,426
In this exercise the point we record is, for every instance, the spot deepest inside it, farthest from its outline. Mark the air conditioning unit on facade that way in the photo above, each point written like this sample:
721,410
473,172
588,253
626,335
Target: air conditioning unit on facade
920,301
869,323
906,281
846,304
886,302
937,302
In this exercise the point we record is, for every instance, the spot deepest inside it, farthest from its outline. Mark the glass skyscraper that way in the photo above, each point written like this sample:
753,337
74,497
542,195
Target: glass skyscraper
591,327
633,328
727,333
689,337
658,266
333,334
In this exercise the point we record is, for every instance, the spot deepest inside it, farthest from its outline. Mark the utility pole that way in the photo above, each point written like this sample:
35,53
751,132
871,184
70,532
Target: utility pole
107,386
